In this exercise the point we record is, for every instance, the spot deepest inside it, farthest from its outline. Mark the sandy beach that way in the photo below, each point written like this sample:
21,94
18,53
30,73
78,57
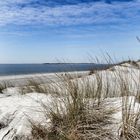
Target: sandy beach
21,80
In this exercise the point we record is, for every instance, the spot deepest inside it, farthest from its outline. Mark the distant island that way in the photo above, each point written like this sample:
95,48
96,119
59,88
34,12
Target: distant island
70,63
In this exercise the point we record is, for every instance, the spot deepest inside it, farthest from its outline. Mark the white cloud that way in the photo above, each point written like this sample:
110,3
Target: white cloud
91,13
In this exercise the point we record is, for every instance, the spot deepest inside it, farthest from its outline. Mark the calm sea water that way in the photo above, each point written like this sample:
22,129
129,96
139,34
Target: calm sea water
17,69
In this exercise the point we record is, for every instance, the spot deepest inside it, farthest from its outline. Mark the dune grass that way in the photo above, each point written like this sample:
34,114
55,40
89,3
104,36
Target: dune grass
4,85
34,86
75,115
78,111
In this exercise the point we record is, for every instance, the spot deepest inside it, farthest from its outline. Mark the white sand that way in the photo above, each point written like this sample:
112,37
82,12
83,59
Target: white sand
16,109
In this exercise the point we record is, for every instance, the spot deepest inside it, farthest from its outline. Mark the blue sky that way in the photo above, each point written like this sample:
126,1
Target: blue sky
38,31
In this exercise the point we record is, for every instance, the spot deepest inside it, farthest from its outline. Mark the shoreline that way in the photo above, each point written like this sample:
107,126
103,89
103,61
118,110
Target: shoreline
21,80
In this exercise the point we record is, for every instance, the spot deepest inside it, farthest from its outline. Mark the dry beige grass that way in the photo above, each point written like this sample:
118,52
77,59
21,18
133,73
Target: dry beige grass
81,116
34,86
5,85
78,112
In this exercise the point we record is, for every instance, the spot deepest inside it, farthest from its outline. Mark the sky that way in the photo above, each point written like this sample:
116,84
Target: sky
45,31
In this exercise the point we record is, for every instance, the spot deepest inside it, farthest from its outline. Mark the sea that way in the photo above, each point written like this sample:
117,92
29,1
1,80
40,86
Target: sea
19,69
